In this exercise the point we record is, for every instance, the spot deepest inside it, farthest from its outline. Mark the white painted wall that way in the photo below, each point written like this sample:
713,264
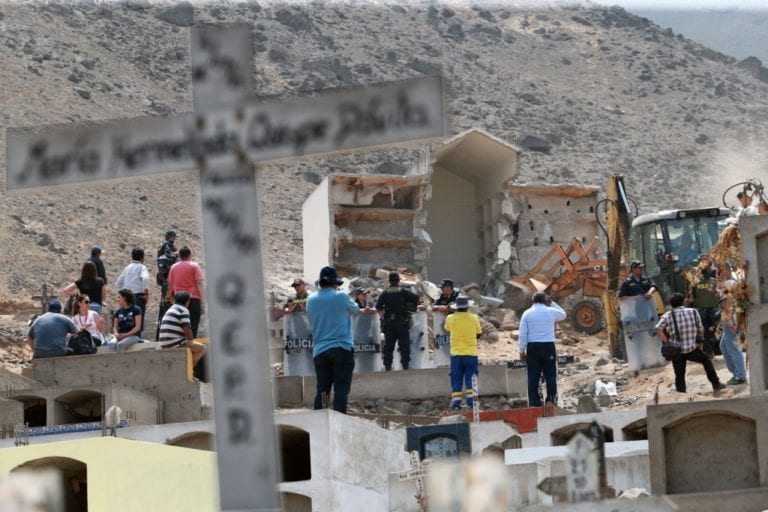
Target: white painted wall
452,222
316,226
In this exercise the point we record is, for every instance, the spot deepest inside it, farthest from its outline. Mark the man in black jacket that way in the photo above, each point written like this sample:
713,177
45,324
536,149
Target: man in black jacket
395,305
96,259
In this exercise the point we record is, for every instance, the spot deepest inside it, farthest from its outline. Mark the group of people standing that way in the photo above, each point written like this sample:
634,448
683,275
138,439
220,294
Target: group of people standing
330,312
181,281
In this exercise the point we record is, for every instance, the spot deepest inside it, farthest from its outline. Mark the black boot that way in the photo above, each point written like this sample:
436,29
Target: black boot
387,367
405,366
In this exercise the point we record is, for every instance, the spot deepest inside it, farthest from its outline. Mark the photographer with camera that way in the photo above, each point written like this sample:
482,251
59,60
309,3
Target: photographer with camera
537,346
395,306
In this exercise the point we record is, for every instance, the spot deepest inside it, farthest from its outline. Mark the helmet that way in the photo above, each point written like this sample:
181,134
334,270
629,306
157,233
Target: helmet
171,233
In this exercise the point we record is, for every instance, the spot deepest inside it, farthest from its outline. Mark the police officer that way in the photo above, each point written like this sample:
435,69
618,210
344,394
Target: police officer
447,297
637,283
395,305
298,302
704,297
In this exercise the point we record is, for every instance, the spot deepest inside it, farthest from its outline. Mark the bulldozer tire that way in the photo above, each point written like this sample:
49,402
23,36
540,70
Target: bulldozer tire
587,317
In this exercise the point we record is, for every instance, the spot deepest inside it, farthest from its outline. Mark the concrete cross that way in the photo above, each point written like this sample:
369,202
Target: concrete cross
416,473
222,138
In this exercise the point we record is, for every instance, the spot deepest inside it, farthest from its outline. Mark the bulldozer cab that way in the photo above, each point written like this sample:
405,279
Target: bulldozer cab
671,241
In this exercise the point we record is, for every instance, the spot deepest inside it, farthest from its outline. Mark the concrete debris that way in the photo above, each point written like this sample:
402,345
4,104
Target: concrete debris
605,388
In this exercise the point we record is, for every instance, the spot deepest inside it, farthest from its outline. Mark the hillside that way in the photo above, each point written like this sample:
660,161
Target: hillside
608,92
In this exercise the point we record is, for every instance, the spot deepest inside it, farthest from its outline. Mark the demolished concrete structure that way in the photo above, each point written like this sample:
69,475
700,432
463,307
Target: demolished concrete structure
458,215
359,223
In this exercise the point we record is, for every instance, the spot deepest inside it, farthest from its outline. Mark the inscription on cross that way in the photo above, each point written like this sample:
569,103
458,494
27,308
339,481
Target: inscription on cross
222,138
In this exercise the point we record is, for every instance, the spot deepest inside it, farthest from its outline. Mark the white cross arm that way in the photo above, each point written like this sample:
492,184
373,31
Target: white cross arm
255,131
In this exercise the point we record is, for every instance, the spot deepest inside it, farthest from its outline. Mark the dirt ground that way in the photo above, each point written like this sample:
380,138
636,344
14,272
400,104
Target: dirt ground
592,362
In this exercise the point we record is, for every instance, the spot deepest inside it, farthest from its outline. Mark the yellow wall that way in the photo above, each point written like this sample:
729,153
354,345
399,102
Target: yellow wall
133,476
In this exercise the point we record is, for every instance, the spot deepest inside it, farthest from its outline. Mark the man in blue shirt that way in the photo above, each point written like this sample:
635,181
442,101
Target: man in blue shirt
537,346
330,314
48,334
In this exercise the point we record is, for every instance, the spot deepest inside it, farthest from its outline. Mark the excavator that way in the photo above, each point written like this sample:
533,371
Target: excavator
669,242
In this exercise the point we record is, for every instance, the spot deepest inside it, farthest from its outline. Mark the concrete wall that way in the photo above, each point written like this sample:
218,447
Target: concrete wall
453,216
615,420
414,384
350,461
626,467
139,407
549,215
686,440
131,476
10,381
11,413
754,239
316,229
161,373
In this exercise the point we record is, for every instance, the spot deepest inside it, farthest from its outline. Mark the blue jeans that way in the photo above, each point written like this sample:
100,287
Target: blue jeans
123,344
462,370
541,357
734,358
95,306
334,369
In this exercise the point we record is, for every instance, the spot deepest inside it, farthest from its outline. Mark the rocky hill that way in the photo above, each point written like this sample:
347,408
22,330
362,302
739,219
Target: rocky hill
602,91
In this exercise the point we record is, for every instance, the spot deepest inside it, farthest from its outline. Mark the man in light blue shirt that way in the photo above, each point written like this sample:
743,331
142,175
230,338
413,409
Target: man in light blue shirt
330,314
537,346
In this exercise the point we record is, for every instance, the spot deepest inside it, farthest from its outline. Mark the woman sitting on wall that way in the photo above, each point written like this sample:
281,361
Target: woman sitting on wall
126,322
87,319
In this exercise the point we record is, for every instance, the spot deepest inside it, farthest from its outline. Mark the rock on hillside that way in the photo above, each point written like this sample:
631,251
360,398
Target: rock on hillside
604,90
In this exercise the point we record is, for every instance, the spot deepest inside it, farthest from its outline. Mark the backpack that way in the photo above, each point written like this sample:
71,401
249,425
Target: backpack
81,343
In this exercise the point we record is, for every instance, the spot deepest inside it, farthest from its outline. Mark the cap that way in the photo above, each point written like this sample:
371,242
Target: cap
636,264
446,282
54,306
462,302
394,277
328,275
95,250
297,282
358,291
171,233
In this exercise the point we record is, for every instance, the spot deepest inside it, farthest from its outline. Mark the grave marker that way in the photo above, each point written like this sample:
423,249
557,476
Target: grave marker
222,138
582,477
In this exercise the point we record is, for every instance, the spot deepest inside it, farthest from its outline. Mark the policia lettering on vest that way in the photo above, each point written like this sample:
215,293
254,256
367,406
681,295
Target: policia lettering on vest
395,305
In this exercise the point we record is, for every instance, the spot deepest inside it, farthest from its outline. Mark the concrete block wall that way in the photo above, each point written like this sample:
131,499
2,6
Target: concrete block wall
408,385
627,467
11,413
63,403
754,239
350,461
161,373
687,440
544,216
358,223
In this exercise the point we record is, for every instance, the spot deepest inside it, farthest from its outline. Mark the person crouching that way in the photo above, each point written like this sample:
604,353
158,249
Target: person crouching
464,328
